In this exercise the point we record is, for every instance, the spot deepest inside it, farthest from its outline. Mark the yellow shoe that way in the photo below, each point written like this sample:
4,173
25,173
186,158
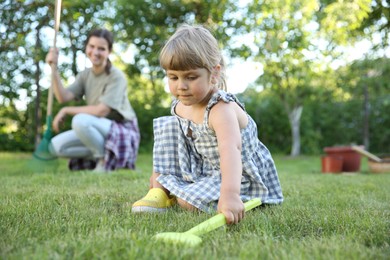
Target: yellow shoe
155,201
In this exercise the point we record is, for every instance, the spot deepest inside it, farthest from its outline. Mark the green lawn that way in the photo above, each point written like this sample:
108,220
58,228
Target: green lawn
57,214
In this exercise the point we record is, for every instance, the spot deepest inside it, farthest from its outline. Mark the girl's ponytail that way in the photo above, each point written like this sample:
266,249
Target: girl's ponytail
107,69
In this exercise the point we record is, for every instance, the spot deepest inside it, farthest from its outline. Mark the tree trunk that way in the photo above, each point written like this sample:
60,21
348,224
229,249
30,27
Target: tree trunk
366,124
294,116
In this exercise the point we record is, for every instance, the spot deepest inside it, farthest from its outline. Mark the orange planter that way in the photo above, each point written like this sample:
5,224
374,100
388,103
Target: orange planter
351,158
332,164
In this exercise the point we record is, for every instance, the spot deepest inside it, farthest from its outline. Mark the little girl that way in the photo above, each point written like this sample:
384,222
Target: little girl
206,156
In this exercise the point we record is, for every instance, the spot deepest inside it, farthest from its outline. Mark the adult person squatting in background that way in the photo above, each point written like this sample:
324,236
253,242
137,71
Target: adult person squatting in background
105,134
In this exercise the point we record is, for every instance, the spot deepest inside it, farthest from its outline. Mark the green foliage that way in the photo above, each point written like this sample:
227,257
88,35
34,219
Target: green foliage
20,48
80,215
283,39
323,124
288,36
269,114
379,122
378,21
149,100
341,123
148,24
294,40
341,20
14,135
371,73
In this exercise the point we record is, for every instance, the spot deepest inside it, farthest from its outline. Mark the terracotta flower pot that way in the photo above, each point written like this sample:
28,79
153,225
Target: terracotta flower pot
331,164
351,158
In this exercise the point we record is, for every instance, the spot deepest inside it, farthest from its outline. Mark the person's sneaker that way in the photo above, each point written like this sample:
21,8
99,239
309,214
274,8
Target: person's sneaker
155,201
100,168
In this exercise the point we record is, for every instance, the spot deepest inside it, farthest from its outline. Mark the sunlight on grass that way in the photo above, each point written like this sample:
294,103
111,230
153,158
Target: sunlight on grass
63,214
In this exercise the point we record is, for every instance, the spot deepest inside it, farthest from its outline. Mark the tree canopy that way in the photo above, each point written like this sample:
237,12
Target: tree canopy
296,42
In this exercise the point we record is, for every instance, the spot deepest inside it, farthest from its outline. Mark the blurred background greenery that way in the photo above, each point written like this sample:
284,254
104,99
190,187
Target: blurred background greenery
325,68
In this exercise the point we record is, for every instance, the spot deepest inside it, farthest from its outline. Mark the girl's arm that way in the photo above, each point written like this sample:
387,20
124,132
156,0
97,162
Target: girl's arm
225,122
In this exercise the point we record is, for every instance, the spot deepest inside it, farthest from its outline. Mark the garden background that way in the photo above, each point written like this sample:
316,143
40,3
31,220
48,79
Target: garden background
323,66
312,73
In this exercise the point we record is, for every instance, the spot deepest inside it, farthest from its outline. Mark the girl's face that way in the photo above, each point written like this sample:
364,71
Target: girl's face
191,87
97,51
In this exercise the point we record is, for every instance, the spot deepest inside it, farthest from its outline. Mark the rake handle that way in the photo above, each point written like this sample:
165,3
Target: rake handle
57,15
219,220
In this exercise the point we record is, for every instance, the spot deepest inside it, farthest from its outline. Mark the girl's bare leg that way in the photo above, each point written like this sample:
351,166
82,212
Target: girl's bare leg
153,183
185,205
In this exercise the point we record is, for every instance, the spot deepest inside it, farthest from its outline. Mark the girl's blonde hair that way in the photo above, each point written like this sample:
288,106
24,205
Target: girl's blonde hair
193,47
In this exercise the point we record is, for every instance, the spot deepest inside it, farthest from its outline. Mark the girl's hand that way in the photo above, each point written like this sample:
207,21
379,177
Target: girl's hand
59,120
232,207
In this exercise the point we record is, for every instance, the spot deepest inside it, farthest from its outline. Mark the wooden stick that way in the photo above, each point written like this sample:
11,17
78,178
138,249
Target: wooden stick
57,15
365,153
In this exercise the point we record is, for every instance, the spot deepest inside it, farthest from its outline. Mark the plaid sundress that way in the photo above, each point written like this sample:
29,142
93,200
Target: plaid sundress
189,167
